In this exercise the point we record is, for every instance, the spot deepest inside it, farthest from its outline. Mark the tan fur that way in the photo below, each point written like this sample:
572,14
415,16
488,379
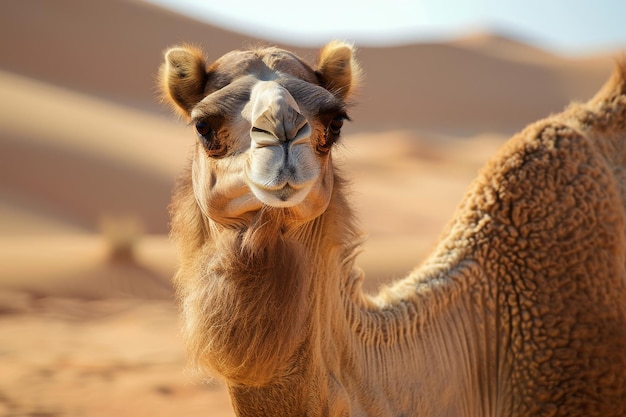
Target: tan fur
338,69
520,310
183,77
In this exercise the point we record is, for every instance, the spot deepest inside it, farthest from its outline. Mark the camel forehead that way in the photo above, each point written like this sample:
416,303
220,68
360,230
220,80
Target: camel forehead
231,100
264,64
233,77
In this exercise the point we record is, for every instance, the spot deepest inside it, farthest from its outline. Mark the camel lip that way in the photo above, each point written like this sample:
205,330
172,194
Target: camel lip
284,182
286,196
286,192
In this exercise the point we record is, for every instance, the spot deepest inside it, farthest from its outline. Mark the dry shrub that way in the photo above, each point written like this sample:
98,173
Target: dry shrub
122,235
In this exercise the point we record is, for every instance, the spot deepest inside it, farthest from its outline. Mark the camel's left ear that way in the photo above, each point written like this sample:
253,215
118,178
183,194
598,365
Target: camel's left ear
337,69
183,77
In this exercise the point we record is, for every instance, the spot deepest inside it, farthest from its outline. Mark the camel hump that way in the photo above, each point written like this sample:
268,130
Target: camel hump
615,88
604,116
603,120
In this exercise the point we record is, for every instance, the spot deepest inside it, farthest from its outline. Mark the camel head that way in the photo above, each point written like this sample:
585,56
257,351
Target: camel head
266,122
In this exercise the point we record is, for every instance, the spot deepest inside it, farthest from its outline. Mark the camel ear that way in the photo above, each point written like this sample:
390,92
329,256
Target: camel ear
337,69
183,77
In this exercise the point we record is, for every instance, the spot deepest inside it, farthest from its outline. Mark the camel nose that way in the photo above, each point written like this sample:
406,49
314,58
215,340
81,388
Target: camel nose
276,116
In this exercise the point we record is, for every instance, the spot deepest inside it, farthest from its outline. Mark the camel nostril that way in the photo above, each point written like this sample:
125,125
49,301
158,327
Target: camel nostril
279,131
263,131
297,126
303,134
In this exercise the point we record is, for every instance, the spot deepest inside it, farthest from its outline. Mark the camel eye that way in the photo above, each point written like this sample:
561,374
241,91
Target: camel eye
209,139
203,129
333,130
336,124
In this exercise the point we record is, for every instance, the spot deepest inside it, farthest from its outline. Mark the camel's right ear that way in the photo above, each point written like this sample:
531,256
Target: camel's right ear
183,77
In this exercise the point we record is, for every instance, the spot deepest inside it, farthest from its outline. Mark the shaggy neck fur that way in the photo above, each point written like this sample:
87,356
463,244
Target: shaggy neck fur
278,312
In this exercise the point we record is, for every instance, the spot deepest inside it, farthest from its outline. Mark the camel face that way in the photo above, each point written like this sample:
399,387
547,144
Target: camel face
266,123
283,166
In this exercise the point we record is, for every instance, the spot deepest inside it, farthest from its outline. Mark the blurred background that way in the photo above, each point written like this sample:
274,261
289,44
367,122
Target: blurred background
89,156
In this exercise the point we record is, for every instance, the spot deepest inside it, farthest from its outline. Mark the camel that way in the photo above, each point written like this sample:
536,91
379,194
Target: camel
520,310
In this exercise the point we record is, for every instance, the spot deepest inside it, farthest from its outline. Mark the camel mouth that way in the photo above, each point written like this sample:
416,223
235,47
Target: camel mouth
281,176
282,197
286,192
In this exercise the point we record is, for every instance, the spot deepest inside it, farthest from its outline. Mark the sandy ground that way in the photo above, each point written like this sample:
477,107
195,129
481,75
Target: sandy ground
68,357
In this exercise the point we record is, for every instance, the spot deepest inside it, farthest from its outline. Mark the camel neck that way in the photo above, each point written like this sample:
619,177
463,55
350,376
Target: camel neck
355,360
350,340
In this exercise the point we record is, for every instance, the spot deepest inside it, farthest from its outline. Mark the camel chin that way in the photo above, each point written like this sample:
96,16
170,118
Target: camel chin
285,197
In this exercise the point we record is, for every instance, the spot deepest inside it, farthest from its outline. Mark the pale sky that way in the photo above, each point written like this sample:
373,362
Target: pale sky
564,26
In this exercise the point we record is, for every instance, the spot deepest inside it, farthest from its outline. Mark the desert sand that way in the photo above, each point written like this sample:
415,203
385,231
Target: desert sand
88,158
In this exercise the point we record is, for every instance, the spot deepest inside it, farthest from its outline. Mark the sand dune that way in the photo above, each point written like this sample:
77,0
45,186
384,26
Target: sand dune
81,267
481,83
85,116
83,138
461,90
74,157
